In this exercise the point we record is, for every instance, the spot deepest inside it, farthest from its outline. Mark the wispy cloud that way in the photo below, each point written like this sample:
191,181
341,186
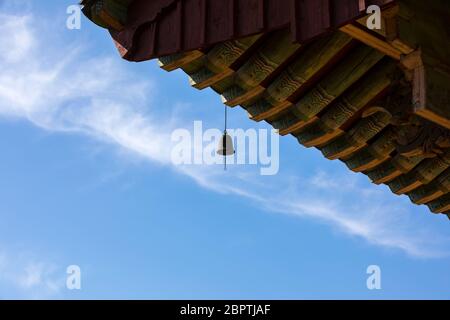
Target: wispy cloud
86,95
24,276
348,207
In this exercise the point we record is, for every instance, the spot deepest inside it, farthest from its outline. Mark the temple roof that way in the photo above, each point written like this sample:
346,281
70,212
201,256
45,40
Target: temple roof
376,100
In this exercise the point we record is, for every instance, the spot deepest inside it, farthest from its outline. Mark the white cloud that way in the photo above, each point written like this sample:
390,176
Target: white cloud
94,96
99,98
348,207
27,277
13,47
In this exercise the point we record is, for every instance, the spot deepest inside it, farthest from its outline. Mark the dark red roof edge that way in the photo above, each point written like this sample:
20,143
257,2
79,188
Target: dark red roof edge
163,27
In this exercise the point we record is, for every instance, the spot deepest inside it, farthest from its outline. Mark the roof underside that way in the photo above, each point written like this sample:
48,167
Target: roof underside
337,94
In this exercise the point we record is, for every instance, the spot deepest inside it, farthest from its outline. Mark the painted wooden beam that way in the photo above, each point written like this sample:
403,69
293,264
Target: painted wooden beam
388,33
431,94
440,205
372,41
365,91
311,62
373,155
249,78
357,137
179,60
432,191
364,160
424,25
219,60
423,174
397,166
346,73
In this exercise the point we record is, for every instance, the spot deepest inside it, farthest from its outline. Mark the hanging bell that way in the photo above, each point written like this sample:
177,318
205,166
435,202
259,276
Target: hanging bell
225,147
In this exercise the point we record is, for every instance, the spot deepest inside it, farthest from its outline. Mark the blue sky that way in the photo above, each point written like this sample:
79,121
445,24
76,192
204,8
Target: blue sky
85,179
